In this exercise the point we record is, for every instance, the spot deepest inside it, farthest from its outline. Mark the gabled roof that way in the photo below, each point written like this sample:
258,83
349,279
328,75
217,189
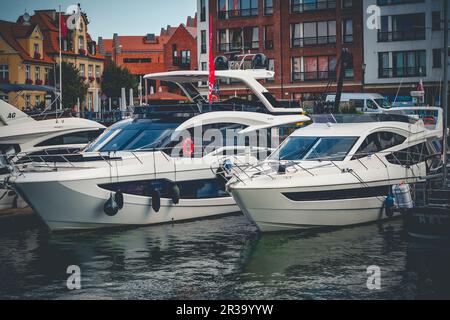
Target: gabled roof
11,32
48,21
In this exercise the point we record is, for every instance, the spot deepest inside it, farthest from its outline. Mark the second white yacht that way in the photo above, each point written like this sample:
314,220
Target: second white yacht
337,174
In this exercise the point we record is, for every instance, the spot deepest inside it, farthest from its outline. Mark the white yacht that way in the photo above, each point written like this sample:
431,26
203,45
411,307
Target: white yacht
337,172
23,139
145,170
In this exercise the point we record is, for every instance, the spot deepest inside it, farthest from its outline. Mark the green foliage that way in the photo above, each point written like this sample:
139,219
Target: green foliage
72,84
115,78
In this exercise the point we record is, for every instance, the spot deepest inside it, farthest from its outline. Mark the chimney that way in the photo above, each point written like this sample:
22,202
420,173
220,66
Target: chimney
101,45
116,43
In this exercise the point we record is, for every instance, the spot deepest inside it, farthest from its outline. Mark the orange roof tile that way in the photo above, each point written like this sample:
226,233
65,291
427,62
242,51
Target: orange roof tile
11,31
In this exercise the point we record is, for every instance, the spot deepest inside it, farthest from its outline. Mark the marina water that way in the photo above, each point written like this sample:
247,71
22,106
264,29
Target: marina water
221,259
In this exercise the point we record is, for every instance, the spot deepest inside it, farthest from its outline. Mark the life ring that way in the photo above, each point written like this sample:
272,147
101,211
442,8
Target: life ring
188,148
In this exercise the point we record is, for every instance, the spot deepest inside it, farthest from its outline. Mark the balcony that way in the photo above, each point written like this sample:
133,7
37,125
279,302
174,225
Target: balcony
405,35
313,41
314,76
394,2
230,14
402,72
227,47
315,6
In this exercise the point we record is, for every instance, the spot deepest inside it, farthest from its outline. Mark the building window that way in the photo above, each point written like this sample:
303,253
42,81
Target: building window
298,6
314,68
4,72
47,75
271,68
403,27
37,73
90,71
81,43
27,101
137,60
175,60
268,37
97,71
185,57
347,3
202,10
223,44
404,64
347,31
436,21
37,99
27,72
268,7
203,42
237,8
313,33
82,70
437,58
36,48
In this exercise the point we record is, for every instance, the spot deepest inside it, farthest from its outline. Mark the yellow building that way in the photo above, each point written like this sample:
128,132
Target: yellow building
78,48
23,61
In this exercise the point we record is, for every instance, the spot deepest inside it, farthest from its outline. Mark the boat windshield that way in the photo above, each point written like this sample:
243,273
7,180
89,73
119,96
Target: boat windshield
383,103
314,148
133,136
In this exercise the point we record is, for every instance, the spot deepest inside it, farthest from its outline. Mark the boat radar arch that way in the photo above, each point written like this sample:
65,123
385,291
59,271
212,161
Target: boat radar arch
249,76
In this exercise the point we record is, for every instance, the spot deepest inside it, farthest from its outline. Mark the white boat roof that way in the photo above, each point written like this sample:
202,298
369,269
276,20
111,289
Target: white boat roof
357,129
249,77
254,121
31,128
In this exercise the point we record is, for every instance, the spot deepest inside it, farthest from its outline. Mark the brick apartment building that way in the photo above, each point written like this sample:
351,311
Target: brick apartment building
302,39
174,49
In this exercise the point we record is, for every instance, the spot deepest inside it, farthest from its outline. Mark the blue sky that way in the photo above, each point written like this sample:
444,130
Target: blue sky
125,17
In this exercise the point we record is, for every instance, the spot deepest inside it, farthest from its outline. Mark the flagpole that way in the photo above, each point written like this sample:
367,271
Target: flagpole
60,62
212,71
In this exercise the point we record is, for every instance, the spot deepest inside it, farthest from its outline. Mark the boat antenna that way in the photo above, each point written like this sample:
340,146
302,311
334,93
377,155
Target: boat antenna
60,62
445,95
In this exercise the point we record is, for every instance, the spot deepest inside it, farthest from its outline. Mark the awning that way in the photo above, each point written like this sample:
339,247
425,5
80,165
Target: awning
8,87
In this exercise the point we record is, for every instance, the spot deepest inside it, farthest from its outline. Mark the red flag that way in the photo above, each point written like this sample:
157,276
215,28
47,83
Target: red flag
63,26
212,69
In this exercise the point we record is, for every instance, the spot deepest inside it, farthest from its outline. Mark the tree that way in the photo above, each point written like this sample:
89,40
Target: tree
73,85
115,78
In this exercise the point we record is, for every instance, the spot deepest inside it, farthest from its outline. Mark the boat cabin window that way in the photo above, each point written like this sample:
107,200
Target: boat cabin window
371,105
377,142
314,148
192,189
82,137
410,156
143,134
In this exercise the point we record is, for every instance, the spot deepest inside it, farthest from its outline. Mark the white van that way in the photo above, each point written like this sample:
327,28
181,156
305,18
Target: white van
364,102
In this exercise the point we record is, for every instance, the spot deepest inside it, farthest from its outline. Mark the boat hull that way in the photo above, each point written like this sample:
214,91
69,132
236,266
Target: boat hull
272,211
78,205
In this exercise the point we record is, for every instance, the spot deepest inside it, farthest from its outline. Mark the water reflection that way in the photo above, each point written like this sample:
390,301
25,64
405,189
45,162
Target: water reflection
223,258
